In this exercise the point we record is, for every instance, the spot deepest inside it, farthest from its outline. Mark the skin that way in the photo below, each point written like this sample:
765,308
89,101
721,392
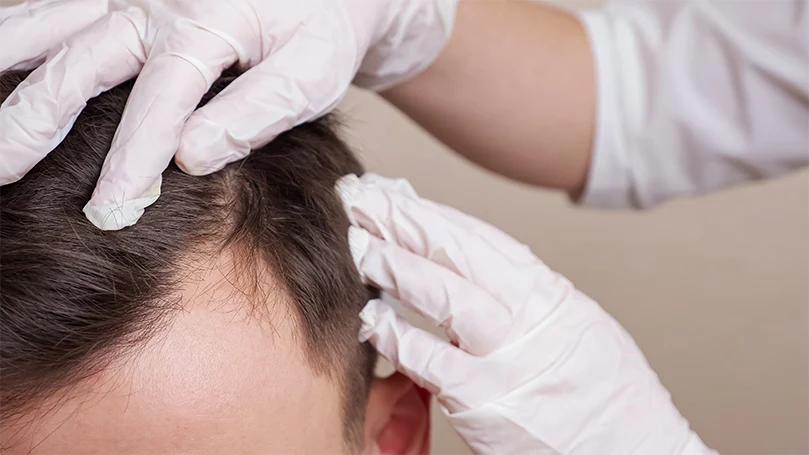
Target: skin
218,380
475,96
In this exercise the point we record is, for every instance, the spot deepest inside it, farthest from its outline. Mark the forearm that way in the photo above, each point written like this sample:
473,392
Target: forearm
513,91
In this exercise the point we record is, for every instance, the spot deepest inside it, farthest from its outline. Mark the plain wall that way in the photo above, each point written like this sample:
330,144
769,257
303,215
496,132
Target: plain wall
714,289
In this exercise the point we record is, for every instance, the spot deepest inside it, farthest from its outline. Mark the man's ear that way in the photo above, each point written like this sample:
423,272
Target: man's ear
397,421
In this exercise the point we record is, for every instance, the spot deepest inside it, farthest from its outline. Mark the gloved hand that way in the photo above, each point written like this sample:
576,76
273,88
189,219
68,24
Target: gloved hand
533,365
302,55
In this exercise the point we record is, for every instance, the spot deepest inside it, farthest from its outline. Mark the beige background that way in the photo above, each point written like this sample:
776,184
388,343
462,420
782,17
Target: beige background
715,290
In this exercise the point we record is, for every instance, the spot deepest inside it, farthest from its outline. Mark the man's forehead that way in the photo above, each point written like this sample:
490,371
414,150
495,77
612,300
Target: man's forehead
214,373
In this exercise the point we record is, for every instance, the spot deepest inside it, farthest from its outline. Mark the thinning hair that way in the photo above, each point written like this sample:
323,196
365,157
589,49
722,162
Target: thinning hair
74,298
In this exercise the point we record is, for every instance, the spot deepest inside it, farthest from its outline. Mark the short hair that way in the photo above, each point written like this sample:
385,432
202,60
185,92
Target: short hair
75,298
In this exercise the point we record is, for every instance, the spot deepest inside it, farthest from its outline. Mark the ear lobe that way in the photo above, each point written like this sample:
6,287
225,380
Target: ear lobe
397,421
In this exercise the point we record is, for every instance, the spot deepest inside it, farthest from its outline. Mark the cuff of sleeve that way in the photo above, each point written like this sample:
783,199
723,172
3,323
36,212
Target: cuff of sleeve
609,183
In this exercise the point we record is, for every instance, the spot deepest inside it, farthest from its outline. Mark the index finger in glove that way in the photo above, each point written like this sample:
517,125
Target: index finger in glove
496,263
472,318
507,245
302,79
38,27
431,362
182,67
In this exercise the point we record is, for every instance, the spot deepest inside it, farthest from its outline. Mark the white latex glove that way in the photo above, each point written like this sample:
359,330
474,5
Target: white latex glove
302,55
533,366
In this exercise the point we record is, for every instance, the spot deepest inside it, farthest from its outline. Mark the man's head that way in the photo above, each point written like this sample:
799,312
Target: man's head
225,321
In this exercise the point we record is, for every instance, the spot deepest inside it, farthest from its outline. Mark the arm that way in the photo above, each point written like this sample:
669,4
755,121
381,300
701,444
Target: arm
513,91
672,98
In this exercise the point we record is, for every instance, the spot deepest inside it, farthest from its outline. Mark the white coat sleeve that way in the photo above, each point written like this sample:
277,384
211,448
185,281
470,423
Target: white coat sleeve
694,96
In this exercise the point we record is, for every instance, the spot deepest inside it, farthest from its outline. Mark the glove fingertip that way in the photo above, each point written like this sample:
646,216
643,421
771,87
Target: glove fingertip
369,316
116,215
347,187
358,241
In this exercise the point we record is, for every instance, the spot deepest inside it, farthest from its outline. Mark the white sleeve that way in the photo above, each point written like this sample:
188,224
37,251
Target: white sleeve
695,96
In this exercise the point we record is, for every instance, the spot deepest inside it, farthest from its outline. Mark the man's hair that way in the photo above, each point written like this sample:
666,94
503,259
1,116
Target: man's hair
74,298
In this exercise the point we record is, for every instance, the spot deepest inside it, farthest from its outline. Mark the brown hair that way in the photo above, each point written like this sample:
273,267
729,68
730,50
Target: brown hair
74,298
